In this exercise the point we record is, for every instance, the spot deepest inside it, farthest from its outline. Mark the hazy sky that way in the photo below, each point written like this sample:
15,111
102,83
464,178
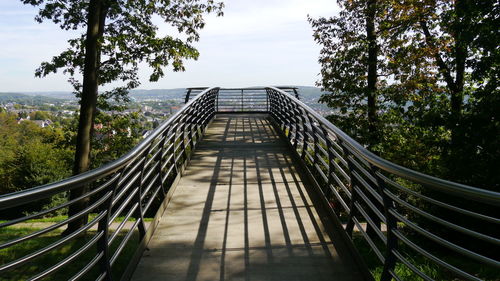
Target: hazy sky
256,42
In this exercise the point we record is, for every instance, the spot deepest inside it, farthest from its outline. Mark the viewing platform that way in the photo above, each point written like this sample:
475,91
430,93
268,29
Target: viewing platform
243,211
252,184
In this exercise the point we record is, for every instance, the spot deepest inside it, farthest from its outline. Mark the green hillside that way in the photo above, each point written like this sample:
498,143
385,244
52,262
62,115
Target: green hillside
26,99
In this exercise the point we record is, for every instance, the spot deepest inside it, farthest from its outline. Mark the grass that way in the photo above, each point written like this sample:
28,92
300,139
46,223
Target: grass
423,264
56,219
43,262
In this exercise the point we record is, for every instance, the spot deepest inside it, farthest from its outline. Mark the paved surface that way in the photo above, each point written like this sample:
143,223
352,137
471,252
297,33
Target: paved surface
241,211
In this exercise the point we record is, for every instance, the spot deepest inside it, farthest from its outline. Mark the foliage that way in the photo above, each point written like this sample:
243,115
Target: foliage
438,100
437,83
30,155
130,36
117,136
58,254
344,59
119,35
429,268
40,115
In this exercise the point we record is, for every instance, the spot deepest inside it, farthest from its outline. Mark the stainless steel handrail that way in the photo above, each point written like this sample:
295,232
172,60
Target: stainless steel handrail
358,186
121,190
484,195
371,194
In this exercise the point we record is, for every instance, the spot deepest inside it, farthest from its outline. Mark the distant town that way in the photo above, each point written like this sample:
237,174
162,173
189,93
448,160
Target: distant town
153,106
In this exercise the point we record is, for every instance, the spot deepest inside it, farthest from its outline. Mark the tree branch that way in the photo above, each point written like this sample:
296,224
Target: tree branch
443,68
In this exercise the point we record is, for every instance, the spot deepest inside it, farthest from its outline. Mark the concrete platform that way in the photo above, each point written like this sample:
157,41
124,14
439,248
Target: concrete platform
243,211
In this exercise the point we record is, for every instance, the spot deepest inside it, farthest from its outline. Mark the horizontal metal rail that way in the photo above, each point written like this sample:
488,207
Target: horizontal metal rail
251,99
121,193
403,216
406,218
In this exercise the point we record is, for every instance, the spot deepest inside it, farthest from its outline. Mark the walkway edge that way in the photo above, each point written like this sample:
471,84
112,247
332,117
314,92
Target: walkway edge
337,230
143,245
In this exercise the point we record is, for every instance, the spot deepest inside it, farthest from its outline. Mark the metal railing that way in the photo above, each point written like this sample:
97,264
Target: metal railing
254,99
405,218
121,193
397,213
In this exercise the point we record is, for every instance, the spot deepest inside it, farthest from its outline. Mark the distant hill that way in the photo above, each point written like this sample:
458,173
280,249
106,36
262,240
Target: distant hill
309,92
27,99
158,94
306,92
53,94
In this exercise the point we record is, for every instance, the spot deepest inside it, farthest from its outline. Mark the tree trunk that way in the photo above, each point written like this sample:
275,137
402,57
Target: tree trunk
455,86
372,93
457,96
372,72
88,102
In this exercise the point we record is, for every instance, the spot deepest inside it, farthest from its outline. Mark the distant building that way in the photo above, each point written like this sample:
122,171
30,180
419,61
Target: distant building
40,123
174,109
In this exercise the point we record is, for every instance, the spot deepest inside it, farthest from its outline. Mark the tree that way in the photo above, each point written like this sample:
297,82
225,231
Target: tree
459,41
118,135
40,115
437,64
30,156
119,35
350,70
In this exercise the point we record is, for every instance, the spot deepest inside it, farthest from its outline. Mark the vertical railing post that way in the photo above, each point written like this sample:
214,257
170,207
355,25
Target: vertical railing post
328,192
267,101
103,243
174,150
138,197
241,100
295,141
215,99
190,130
186,99
315,139
292,127
392,224
354,194
199,114
160,161
183,134
217,102
305,135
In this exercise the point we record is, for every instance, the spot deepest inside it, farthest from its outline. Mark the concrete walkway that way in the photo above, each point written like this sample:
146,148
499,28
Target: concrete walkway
242,211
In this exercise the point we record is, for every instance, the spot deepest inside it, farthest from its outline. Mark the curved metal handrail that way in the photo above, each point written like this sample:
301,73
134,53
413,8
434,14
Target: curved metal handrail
368,192
122,191
484,195
357,185
13,199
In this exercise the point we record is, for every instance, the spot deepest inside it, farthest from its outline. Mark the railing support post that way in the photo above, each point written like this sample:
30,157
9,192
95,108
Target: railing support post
242,100
186,99
354,195
103,243
392,224
160,160
138,197
328,192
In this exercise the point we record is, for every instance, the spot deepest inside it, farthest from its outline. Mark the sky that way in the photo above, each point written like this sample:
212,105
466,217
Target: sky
255,43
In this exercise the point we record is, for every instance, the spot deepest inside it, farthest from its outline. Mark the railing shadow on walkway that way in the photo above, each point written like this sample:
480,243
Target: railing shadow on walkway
258,221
